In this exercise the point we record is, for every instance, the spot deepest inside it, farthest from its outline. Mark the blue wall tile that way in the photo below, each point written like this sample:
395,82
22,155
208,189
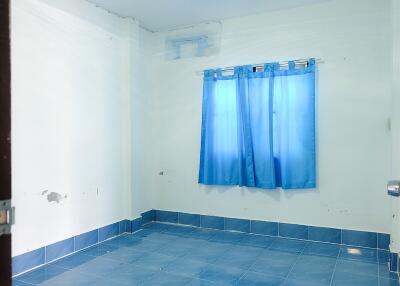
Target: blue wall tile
166,216
393,261
264,227
28,260
86,239
124,226
189,219
59,249
128,226
108,231
242,225
359,238
383,241
293,230
325,234
148,216
383,256
136,224
38,257
215,222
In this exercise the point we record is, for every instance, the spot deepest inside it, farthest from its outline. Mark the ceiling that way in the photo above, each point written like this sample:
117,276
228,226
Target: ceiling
158,15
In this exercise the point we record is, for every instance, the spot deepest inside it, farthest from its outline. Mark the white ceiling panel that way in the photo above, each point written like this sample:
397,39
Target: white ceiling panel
157,15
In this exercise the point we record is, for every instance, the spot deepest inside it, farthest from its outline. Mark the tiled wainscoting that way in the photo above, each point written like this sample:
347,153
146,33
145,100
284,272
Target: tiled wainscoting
52,252
394,262
320,234
372,240
365,239
166,254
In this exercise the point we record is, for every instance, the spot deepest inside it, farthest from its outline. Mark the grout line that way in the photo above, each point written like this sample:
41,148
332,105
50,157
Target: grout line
334,268
297,259
279,229
254,262
341,236
379,274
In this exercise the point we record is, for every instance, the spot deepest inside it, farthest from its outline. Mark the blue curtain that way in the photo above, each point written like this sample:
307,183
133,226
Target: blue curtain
258,128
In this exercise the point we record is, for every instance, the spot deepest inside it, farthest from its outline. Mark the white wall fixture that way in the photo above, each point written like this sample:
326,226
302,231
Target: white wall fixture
195,41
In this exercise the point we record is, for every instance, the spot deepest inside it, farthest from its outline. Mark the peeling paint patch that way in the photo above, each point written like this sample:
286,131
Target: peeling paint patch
55,197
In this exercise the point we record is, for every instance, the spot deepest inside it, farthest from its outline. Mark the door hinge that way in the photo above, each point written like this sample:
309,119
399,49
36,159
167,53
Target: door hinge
7,216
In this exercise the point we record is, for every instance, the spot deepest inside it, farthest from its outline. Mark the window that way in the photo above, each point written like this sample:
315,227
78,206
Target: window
258,127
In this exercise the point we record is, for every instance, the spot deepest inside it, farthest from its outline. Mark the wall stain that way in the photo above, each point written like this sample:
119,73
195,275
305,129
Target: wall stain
55,197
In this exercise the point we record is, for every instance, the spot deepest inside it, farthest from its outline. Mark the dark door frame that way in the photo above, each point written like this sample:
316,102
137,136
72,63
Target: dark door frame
5,135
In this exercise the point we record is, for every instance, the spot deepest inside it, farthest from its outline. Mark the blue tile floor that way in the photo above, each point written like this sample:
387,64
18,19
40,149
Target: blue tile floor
166,254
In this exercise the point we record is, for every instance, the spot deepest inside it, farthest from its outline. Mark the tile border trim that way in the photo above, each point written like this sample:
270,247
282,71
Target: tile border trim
393,262
356,238
39,257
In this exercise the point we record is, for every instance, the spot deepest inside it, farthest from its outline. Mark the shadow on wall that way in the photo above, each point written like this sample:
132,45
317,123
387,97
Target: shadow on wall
275,194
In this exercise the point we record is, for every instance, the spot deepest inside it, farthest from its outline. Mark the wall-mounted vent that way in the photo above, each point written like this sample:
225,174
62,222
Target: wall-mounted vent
196,41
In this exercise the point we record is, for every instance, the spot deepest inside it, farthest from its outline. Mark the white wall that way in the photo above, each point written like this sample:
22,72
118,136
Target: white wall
353,39
97,107
71,119
395,172
144,115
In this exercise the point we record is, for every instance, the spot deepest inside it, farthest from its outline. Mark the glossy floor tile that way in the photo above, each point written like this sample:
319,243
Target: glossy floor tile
166,254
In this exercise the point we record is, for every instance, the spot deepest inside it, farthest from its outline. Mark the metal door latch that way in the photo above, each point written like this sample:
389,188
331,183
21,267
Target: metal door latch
393,188
7,213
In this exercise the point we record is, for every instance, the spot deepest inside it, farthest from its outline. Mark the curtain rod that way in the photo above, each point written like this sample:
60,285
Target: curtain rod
260,67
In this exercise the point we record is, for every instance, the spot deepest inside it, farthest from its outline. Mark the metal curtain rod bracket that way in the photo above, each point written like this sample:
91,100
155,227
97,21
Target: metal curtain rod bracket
260,67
